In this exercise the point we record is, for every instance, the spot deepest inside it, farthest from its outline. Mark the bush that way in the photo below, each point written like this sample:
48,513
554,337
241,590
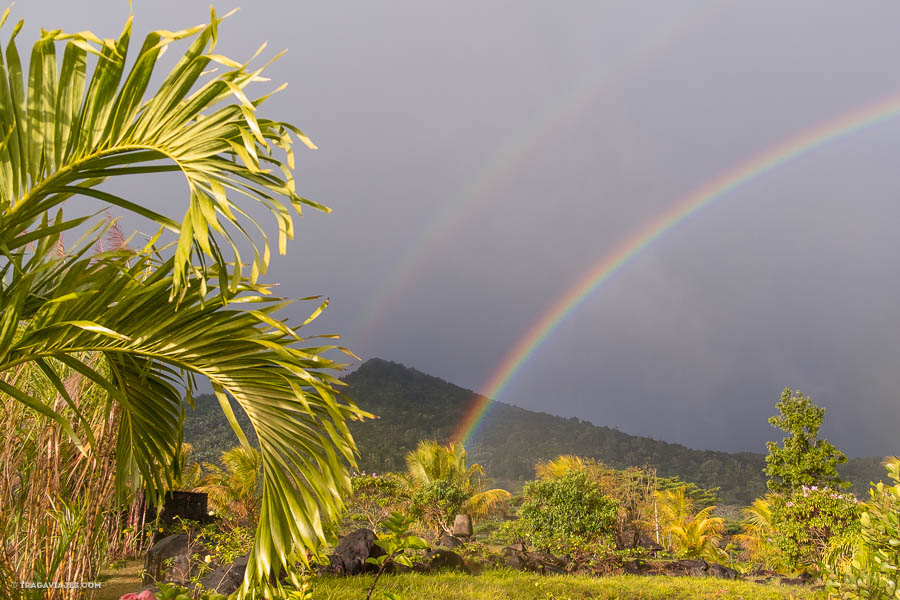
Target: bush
873,570
807,521
375,498
437,503
565,514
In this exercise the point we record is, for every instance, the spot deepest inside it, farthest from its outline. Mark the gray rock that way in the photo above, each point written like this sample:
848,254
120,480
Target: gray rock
350,556
462,526
449,541
445,560
169,560
228,578
721,571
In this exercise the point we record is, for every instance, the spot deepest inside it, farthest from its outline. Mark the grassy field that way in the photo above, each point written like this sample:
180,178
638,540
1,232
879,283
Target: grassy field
515,585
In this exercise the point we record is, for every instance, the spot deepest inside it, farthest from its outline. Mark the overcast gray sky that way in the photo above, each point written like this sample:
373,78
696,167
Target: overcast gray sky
480,157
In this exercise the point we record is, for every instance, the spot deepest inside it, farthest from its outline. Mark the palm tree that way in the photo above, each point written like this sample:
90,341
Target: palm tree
698,536
756,538
235,490
431,463
673,506
141,323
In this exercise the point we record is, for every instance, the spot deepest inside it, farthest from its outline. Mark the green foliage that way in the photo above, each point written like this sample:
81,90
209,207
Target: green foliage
142,323
414,406
701,497
375,497
565,514
803,459
690,535
445,484
235,491
806,521
698,536
436,503
172,591
872,571
397,543
757,535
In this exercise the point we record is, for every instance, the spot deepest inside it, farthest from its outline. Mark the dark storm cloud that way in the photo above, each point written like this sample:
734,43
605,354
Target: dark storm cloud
789,280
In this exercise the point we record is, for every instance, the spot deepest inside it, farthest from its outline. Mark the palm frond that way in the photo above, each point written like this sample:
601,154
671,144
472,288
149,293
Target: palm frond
62,136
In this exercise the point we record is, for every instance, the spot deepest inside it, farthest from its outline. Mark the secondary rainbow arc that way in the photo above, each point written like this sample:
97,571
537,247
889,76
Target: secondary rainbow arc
612,262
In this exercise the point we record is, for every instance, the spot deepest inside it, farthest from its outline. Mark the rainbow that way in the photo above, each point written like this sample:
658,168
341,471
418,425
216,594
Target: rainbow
693,202
518,151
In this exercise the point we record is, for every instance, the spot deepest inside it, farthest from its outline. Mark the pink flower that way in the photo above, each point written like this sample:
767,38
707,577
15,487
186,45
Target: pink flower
145,595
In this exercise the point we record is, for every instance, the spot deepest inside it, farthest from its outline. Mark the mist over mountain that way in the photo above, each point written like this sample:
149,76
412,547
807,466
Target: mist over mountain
411,406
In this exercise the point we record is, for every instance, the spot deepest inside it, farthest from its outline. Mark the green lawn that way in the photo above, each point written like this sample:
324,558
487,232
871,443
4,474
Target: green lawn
514,585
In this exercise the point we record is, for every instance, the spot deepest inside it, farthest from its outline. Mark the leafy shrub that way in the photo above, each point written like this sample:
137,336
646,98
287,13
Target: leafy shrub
873,570
436,503
375,497
565,514
808,519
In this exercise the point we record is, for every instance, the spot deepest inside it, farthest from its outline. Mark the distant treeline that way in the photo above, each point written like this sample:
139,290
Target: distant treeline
413,406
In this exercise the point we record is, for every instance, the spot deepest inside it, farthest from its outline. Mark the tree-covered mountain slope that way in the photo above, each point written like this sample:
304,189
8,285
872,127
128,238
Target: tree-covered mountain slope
412,406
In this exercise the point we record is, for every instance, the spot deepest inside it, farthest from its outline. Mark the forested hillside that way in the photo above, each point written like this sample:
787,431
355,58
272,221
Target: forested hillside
412,406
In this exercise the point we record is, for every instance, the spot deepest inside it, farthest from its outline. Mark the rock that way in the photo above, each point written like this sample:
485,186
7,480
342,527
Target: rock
462,526
695,567
537,562
350,556
449,541
169,559
512,557
228,578
440,560
636,567
721,571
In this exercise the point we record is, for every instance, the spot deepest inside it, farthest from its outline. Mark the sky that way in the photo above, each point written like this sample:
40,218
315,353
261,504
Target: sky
480,157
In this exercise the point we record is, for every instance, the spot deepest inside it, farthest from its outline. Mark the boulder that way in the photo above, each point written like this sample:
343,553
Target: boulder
637,566
721,571
462,526
449,541
444,560
168,559
226,579
350,556
695,567
512,556
537,562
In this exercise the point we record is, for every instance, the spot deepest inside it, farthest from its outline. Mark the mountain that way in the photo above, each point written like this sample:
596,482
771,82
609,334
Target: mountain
412,406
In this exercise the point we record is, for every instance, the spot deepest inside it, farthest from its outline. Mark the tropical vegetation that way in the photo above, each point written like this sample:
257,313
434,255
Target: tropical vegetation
103,342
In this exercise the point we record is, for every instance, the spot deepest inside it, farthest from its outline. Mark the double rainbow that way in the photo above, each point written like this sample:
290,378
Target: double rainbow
693,202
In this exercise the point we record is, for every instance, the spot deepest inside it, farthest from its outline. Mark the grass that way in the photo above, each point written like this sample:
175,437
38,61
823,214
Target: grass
511,585
515,585
115,582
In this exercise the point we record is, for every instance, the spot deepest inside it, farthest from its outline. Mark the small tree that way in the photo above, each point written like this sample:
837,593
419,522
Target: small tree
803,459
565,514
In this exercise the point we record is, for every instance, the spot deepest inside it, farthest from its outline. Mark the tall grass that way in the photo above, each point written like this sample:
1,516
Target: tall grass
57,517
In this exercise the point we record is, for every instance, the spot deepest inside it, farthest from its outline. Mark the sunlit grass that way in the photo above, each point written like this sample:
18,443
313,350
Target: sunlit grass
515,585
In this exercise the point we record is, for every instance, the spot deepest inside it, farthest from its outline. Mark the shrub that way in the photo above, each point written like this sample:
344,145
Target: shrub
808,519
565,514
436,503
873,570
375,498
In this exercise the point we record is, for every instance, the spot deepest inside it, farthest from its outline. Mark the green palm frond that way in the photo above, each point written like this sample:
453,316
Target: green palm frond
64,130
117,306
481,504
